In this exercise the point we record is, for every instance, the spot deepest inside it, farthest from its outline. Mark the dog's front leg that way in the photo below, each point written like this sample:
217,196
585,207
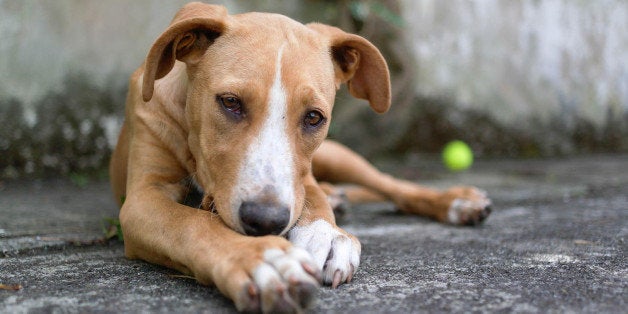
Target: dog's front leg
257,273
335,251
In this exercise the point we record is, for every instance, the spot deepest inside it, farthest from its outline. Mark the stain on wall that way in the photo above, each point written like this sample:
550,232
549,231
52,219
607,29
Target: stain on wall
515,78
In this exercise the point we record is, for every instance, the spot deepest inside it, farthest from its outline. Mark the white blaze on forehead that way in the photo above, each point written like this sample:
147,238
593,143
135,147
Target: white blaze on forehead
268,167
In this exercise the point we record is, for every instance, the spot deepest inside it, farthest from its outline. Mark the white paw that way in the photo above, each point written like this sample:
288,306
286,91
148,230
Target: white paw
470,209
285,281
335,252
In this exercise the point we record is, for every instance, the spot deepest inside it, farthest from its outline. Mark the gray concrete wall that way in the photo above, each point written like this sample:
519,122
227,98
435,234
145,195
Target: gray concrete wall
537,71
528,64
64,67
44,42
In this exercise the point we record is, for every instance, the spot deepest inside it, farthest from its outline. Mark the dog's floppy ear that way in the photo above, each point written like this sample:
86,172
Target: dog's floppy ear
191,31
360,64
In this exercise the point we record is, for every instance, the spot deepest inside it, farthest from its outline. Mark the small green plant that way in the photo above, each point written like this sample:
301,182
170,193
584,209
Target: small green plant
112,228
79,179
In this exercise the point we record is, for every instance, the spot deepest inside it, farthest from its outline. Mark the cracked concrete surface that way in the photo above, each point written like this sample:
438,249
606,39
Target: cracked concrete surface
554,243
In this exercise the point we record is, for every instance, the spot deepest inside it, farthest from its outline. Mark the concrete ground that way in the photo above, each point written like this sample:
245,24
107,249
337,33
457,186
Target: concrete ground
556,242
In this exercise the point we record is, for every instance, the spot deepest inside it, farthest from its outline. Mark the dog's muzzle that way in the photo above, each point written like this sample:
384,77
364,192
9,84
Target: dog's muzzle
260,219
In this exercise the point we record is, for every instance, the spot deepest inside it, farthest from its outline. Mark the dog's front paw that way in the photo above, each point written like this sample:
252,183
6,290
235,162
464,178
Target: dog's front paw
467,206
268,278
335,251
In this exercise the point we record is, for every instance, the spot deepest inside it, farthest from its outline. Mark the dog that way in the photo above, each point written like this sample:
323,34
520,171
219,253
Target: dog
237,108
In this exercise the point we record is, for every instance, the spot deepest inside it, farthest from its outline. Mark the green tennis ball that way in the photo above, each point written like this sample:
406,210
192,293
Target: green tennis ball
457,156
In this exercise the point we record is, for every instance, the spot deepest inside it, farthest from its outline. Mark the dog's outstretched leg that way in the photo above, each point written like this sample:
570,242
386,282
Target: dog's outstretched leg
265,274
336,163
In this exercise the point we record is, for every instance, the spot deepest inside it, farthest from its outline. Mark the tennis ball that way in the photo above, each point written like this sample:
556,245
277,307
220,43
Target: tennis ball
457,156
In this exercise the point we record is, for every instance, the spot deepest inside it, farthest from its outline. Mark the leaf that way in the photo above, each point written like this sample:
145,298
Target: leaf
15,287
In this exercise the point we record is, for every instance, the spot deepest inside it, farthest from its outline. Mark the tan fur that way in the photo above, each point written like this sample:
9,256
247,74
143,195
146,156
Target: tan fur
174,131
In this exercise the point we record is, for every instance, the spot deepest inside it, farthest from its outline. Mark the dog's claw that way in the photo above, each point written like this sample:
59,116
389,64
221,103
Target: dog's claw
482,215
283,304
252,290
313,271
303,293
487,211
336,281
470,206
251,301
350,276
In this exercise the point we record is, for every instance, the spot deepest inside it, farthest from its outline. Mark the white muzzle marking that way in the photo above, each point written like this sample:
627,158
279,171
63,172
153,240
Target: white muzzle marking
268,167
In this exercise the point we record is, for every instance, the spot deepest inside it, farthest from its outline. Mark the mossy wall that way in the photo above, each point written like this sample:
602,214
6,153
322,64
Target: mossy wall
464,69
73,133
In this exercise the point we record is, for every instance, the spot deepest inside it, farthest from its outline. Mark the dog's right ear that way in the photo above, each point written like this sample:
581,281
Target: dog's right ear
191,31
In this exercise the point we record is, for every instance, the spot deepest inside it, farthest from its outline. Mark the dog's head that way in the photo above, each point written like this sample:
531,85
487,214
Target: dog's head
260,92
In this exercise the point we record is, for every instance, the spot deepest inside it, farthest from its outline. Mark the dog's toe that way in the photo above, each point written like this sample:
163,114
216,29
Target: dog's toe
342,262
485,213
469,209
248,301
333,250
303,292
285,280
339,204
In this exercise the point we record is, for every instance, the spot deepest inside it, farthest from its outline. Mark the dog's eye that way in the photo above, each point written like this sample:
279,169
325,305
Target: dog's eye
230,103
313,119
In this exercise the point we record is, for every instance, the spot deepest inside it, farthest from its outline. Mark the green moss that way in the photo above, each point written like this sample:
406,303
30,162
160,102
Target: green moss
68,136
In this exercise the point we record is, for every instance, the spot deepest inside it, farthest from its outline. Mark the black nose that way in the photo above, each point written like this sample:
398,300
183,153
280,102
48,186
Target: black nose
263,219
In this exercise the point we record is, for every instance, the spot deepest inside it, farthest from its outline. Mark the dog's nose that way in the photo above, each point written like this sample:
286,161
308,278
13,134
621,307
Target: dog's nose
260,219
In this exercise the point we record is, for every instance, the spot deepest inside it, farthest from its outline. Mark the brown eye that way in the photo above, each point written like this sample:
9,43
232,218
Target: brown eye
230,103
313,119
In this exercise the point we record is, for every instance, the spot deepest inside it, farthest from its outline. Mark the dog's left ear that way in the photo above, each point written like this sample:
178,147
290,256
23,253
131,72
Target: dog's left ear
191,31
358,63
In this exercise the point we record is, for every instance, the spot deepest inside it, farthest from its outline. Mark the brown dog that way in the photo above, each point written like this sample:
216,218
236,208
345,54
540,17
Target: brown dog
238,107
